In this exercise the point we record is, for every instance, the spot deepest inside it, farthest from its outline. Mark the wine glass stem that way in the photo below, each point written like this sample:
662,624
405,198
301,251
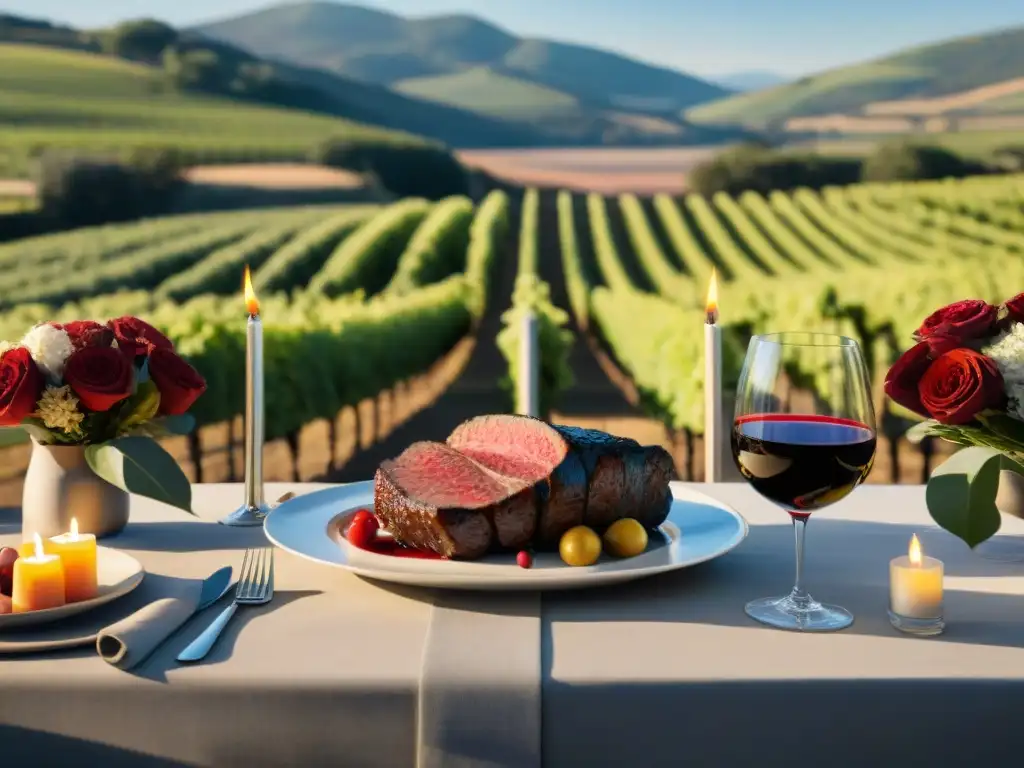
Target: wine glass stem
798,595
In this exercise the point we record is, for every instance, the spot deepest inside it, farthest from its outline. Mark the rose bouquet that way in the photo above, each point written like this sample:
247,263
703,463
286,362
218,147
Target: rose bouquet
111,388
965,375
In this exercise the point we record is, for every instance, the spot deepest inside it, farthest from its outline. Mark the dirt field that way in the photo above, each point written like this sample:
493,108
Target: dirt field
646,170
16,188
268,176
942,104
275,176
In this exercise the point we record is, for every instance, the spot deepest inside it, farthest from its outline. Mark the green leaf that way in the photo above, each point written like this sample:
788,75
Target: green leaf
1005,427
39,431
140,465
142,406
921,430
181,424
961,494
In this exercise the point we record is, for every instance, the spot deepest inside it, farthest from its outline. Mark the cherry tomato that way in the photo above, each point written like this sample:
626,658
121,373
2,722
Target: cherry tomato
7,557
363,514
524,559
363,529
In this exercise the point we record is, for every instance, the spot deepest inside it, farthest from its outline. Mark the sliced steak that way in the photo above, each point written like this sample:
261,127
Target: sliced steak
624,478
519,446
436,498
514,446
505,482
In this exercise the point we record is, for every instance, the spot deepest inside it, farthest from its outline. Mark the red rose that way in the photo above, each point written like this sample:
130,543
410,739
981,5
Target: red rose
959,385
1015,309
21,384
947,328
100,376
87,333
137,338
902,380
179,383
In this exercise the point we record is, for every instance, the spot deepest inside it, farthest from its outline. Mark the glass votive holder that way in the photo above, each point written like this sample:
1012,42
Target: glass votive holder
917,626
915,593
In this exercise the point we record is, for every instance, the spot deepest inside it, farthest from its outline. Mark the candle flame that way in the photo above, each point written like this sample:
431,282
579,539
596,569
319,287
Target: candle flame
711,308
252,304
74,528
915,550
40,552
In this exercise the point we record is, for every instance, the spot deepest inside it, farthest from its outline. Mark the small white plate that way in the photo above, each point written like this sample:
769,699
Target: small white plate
698,529
117,574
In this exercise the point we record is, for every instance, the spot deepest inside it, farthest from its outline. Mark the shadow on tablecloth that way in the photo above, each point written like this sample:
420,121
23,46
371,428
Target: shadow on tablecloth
25,746
846,562
186,536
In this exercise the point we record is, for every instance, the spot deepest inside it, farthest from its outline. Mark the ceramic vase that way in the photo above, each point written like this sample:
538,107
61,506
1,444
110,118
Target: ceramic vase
60,485
1007,547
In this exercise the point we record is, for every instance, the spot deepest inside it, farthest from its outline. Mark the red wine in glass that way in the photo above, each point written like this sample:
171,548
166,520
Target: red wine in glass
803,452
802,462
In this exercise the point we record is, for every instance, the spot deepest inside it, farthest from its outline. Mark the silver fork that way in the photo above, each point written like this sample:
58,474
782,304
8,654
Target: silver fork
255,587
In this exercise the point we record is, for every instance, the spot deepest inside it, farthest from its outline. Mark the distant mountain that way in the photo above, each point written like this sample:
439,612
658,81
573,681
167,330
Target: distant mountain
923,73
569,92
188,62
754,80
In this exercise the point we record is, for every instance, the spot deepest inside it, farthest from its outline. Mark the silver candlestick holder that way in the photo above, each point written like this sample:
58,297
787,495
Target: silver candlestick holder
255,509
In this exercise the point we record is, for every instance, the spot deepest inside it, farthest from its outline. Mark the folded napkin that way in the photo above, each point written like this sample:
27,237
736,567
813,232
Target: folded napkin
131,640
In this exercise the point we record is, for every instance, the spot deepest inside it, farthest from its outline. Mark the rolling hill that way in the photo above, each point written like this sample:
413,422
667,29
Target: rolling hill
77,99
928,72
295,88
571,91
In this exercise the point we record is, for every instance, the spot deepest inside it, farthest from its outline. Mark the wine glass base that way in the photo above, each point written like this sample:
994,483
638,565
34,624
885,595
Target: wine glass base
806,616
247,516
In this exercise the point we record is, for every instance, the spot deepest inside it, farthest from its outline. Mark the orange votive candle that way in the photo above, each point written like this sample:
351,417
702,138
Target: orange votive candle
38,581
77,552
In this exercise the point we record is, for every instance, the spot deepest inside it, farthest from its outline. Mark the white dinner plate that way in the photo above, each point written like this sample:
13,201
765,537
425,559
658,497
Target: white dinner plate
117,574
698,529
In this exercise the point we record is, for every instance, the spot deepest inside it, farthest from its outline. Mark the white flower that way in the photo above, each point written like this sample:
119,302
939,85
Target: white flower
50,348
1007,351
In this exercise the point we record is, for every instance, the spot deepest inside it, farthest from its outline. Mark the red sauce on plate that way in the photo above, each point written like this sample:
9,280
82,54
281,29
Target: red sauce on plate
385,545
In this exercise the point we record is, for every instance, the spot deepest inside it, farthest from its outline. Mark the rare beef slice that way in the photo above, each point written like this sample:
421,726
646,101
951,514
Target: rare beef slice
433,497
520,446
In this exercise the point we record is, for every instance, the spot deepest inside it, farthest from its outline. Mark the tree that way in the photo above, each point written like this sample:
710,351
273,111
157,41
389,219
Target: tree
407,171
141,40
903,161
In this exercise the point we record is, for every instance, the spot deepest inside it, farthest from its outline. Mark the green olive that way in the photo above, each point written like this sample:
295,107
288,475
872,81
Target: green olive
625,538
580,546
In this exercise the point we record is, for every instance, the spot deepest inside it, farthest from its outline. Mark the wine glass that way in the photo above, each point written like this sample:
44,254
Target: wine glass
804,438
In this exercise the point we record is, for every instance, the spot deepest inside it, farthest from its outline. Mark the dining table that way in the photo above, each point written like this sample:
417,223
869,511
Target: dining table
338,670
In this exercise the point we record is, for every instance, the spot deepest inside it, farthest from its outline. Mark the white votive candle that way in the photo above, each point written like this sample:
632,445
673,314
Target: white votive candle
915,584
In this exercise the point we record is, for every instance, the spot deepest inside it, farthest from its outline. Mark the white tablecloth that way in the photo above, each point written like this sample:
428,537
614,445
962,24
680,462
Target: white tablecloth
664,672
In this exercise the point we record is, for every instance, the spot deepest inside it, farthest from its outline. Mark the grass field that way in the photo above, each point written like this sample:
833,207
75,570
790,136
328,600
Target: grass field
51,97
490,93
951,70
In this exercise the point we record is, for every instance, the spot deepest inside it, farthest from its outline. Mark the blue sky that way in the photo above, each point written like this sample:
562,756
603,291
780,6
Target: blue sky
706,37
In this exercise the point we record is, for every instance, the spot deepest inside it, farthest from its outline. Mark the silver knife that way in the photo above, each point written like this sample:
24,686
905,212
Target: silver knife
214,588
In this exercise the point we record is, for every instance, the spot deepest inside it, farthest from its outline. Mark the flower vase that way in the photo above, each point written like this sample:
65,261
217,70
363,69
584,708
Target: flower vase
1006,547
59,485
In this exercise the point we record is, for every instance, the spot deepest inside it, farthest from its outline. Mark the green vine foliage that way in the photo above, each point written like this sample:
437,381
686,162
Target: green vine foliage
554,340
